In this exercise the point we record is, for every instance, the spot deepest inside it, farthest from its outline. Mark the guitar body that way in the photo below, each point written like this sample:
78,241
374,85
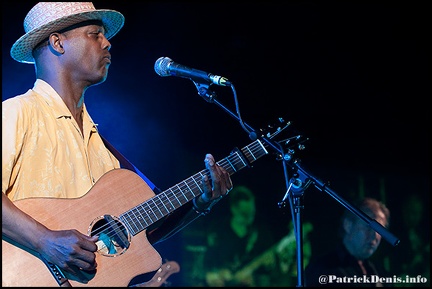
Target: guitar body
113,194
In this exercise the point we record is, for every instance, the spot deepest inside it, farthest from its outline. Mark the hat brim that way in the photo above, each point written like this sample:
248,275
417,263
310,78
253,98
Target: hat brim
21,50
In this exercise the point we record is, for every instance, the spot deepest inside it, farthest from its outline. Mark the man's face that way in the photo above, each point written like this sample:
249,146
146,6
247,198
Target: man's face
244,212
361,239
86,53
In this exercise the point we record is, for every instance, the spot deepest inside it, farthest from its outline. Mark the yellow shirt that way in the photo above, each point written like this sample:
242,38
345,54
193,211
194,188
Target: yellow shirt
44,153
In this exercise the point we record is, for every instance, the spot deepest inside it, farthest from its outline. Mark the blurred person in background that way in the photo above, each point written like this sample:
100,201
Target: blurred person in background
351,257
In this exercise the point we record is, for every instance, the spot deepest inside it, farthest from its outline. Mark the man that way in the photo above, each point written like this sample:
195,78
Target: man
51,148
351,258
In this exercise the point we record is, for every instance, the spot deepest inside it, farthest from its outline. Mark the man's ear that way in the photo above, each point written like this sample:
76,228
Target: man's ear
55,43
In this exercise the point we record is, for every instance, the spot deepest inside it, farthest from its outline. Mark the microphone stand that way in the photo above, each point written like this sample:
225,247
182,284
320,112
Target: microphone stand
296,185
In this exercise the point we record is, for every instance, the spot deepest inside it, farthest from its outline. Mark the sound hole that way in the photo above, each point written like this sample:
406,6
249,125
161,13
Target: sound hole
114,238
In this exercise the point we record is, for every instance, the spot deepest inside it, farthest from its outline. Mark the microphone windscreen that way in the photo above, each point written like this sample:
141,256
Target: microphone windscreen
161,66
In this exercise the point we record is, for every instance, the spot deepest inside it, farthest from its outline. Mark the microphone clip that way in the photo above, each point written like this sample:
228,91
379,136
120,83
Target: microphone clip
205,92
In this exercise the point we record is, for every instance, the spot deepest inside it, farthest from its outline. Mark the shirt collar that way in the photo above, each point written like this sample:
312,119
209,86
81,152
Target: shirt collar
53,99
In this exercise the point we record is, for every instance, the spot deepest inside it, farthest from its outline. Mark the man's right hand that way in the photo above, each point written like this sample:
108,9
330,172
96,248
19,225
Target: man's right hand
70,250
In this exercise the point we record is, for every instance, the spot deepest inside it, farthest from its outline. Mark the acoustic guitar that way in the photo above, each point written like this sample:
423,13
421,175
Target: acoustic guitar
118,208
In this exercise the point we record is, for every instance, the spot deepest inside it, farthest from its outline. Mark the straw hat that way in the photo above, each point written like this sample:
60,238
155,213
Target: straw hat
47,17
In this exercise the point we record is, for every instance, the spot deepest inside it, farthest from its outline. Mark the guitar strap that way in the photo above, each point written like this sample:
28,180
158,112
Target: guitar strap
125,163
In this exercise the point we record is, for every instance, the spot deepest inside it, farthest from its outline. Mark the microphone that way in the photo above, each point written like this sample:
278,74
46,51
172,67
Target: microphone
165,66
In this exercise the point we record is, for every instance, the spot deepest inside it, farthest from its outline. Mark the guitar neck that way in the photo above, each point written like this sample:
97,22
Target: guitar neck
145,214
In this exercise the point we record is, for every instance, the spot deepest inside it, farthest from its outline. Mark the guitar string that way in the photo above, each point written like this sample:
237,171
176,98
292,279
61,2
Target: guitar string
230,165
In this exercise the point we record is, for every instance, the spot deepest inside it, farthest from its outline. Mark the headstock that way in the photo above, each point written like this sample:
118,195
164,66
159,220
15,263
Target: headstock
289,144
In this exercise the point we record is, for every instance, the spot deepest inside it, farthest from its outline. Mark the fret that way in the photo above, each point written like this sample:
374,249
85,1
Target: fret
143,214
136,216
128,223
171,206
159,208
184,197
197,185
239,157
149,211
143,219
231,165
189,188
251,153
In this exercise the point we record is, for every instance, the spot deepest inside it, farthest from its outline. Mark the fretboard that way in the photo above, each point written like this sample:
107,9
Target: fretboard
145,214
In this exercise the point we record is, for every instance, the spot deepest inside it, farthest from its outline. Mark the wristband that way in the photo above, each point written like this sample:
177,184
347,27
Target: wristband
205,211
199,211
